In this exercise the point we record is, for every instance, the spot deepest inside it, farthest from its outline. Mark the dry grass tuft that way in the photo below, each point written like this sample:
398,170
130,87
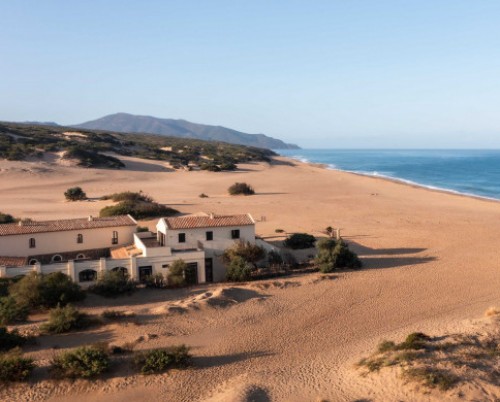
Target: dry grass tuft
492,311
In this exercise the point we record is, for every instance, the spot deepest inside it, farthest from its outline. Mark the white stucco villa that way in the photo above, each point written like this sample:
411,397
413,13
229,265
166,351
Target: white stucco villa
82,248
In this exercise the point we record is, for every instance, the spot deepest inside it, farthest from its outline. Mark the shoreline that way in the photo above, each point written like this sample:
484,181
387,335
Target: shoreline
396,180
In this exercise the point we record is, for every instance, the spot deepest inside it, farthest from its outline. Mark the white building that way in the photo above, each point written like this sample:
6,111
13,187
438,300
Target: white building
82,248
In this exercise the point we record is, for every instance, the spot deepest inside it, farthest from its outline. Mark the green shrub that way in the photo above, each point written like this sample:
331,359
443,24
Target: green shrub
176,273
203,195
83,362
75,194
274,258
414,341
37,290
249,252
12,312
334,254
66,319
6,218
431,377
161,360
113,284
139,210
300,241
238,270
158,281
11,339
128,196
14,367
90,158
241,189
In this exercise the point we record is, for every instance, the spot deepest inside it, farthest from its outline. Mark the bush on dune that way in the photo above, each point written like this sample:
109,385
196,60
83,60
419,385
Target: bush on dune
139,205
113,284
66,319
75,194
241,189
12,312
238,270
83,362
333,254
298,241
11,339
37,290
14,367
160,360
7,218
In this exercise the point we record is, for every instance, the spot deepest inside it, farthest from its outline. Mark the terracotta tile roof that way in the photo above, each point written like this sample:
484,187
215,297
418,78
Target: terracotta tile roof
13,261
65,224
125,252
208,221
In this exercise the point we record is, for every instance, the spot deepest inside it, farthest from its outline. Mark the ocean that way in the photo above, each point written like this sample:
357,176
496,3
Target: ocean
468,172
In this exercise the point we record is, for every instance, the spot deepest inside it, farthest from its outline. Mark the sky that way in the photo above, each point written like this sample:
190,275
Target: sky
321,74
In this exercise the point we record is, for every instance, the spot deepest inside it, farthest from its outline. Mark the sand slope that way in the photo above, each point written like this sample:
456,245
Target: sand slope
432,265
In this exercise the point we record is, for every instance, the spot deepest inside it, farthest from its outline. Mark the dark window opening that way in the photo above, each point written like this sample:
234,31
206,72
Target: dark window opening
114,240
209,235
79,238
235,234
182,237
32,243
87,275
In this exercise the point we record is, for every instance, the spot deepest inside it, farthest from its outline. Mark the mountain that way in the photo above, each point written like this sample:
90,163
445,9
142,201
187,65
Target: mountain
129,123
41,123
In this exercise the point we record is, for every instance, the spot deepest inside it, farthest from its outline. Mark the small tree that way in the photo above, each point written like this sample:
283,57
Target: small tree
249,252
83,362
176,273
12,312
65,319
241,189
7,218
75,194
300,241
37,290
15,367
238,270
113,284
335,254
329,231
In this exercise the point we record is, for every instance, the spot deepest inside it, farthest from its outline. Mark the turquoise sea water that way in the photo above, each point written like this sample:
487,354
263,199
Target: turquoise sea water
471,172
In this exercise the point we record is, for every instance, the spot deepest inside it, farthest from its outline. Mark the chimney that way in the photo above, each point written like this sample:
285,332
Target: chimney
91,218
212,215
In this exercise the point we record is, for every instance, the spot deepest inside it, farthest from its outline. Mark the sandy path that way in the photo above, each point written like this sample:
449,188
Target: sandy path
432,264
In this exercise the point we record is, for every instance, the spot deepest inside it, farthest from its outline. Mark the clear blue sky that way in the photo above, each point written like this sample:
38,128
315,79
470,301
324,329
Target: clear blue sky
348,73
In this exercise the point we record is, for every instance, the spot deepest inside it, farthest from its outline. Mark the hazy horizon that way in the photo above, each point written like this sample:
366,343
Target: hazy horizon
330,74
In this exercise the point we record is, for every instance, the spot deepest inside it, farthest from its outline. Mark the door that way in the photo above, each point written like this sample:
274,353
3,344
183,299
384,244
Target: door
209,269
145,272
191,273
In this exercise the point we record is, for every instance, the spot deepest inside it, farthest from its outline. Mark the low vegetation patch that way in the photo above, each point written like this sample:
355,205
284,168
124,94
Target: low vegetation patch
36,290
7,218
177,273
14,367
66,319
160,360
115,315
88,157
11,339
444,362
75,194
334,254
139,205
83,362
241,189
113,284
238,270
11,312
298,241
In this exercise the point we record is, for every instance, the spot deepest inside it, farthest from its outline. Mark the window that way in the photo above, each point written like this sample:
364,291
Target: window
33,261
87,275
56,258
209,235
165,266
114,240
32,243
79,238
80,256
182,237
235,234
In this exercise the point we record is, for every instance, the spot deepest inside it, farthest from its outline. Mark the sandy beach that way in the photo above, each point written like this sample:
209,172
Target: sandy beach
431,264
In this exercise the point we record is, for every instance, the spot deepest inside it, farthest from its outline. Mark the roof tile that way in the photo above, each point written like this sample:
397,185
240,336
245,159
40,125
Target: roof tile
208,221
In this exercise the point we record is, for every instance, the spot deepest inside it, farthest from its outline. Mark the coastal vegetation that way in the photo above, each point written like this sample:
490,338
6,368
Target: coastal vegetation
160,360
138,205
176,273
298,241
333,254
92,148
75,194
45,291
241,189
113,284
66,319
82,362
14,367
7,218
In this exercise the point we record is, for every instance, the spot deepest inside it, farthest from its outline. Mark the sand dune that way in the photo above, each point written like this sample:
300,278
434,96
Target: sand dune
431,265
